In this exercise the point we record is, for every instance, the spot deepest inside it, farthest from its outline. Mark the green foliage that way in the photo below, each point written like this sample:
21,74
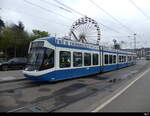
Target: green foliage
7,38
2,24
14,40
38,34
117,46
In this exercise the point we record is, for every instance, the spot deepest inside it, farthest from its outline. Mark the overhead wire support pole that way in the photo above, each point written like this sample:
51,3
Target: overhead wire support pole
135,42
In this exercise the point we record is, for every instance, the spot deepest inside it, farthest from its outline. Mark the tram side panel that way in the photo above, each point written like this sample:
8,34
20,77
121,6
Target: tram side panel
122,61
109,61
113,61
75,64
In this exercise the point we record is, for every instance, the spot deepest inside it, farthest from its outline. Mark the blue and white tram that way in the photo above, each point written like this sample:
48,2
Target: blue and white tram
52,59
147,56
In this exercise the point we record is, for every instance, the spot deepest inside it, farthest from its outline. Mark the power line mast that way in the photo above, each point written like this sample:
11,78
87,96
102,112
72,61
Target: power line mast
135,42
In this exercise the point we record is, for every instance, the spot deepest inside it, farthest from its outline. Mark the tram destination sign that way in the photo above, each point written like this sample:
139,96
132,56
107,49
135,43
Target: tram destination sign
76,44
37,44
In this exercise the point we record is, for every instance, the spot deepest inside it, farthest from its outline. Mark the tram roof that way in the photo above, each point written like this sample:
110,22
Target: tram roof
60,42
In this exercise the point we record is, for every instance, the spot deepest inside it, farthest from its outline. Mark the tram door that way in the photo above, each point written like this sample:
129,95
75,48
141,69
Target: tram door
117,60
101,58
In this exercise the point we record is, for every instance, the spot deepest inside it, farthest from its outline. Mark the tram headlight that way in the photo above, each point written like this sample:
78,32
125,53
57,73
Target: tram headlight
26,69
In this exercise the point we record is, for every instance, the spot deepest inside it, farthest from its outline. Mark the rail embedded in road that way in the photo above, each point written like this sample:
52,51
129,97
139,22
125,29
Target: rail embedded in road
64,95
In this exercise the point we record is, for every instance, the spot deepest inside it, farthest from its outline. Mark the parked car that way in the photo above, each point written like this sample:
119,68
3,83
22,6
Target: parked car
15,63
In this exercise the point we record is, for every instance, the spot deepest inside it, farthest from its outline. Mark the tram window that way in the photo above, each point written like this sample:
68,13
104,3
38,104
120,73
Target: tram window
125,58
106,59
87,59
120,59
114,59
95,59
48,59
128,58
110,59
77,59
65,59
132,58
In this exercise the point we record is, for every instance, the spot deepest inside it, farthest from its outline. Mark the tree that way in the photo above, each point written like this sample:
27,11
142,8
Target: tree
2,24
7,38
18,28
38,34
20,37
116,45
14,40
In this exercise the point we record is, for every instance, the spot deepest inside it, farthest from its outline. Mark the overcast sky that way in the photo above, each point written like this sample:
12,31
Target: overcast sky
58,21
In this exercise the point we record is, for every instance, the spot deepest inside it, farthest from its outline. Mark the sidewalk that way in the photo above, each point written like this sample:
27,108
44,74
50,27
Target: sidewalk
6,76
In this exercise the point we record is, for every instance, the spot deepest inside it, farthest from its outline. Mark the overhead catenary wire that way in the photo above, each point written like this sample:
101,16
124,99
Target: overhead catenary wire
115,19
68,7
56,5
77,12
38,17
127,28
45,9
60,7
139,9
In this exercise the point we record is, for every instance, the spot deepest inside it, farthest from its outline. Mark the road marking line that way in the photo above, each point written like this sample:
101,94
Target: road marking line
119,93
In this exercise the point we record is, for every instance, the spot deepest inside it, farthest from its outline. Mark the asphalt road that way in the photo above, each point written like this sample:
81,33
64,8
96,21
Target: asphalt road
135,99
75,95
11,73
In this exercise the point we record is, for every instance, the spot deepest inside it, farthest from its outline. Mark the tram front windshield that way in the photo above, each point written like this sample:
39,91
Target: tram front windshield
40,59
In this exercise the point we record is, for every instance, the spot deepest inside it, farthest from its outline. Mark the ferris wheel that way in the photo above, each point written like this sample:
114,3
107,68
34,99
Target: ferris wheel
85,30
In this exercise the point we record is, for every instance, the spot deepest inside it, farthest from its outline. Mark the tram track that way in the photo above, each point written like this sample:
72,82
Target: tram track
67,92
50,102
88,90
11,86
11,81
38,106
